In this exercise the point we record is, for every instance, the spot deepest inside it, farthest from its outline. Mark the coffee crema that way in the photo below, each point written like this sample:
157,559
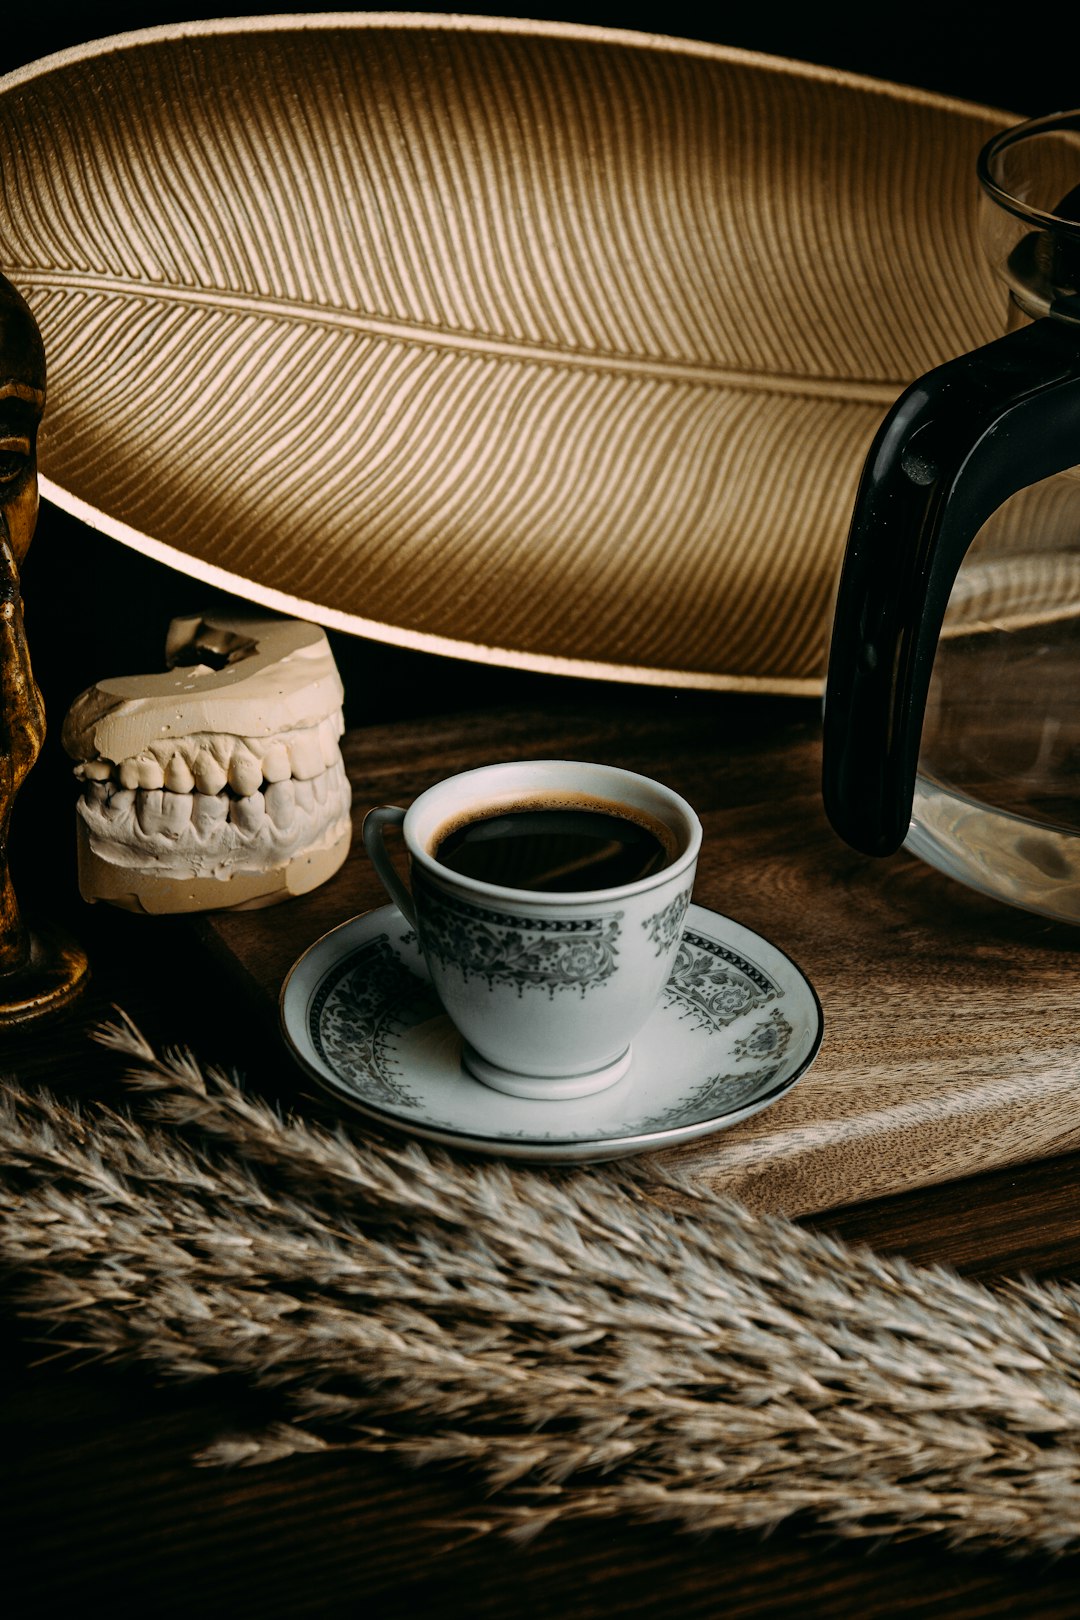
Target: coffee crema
563,844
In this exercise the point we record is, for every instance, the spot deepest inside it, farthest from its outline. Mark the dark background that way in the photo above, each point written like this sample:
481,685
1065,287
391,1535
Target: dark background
1021,60
95,608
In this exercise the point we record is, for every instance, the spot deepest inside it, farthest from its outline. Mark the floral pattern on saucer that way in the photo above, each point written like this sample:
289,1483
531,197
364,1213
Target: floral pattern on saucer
360,1010
720,1093
769,1039
362,1016
714,985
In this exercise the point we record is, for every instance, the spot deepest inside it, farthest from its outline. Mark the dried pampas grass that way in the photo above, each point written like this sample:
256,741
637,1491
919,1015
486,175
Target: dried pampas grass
590,1353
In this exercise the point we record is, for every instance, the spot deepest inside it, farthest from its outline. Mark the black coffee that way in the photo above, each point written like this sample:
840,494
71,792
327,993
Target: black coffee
555,848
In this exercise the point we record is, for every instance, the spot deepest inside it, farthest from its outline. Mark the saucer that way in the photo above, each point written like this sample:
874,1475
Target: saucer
736,1026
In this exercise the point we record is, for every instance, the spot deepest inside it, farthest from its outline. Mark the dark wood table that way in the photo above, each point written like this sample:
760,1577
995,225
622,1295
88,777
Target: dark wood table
103,1500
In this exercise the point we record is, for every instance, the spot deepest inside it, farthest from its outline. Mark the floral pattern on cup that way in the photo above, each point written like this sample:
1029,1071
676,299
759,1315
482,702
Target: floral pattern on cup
663,926
530,953
714,985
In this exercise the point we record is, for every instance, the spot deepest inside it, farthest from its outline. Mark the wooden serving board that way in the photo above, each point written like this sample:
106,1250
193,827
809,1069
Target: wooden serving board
952,1036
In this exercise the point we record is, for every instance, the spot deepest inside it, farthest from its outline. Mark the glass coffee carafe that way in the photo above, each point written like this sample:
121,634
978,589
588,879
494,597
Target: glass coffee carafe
952,711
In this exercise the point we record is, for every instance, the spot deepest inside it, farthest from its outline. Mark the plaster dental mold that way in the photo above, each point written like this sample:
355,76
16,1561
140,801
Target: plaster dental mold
218,784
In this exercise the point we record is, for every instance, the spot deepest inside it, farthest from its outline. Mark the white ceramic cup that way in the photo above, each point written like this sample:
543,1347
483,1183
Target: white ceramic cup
547,989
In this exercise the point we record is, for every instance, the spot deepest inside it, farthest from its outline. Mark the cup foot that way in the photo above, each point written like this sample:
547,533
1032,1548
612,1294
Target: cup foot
555,1087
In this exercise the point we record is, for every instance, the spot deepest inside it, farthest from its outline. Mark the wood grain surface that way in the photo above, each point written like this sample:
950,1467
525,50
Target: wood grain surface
951,1039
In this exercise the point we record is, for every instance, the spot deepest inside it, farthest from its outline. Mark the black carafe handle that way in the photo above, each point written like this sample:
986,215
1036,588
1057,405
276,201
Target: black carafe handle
953,448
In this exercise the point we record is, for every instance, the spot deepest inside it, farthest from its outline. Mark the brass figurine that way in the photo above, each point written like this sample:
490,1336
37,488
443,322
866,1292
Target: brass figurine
40,971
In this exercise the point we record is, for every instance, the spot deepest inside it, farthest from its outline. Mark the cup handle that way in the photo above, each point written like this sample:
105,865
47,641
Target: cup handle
375,822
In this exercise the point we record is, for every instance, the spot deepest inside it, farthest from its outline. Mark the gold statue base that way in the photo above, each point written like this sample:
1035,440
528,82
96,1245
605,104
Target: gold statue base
55,976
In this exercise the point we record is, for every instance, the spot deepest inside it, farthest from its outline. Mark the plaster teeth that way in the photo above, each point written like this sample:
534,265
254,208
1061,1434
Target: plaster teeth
296,779
281,803
213,774
275,763
209,811
328,741
176,811
305,754
163,812
149,771
248,813
205,762
120,804
210,774
245,772
148,812
178,775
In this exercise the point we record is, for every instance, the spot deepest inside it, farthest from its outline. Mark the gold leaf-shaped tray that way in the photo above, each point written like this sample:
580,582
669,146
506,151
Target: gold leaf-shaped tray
536,344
